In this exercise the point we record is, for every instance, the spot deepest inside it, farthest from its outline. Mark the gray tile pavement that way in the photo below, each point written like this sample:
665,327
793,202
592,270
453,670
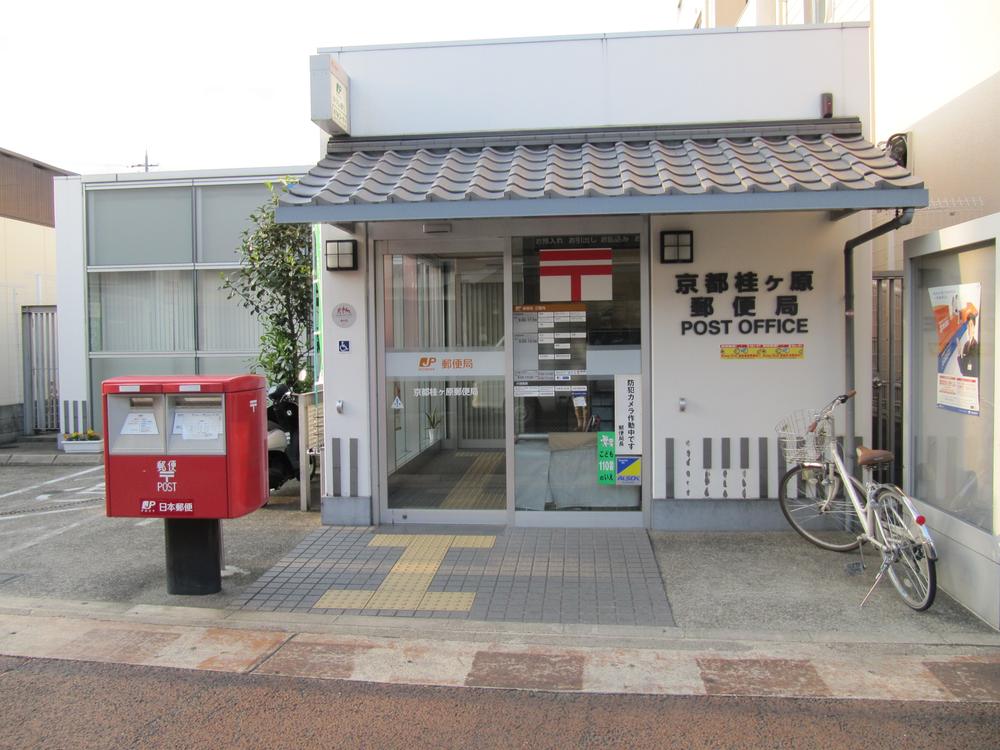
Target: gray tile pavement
585,576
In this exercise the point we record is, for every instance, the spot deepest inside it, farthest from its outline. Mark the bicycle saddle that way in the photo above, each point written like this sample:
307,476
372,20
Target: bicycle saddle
873,457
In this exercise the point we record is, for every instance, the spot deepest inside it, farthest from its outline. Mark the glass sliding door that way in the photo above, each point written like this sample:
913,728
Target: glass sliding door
577,374
444,386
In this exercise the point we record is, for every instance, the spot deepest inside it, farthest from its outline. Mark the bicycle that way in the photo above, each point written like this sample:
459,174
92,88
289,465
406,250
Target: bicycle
835,511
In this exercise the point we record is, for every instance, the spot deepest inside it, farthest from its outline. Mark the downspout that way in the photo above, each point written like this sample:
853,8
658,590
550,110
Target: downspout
901,220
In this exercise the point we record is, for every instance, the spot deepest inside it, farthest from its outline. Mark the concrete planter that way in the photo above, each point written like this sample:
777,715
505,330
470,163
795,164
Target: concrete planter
83,446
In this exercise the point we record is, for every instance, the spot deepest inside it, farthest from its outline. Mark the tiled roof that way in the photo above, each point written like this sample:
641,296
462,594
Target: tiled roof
689,163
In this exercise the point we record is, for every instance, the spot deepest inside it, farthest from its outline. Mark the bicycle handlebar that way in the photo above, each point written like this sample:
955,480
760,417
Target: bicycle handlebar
828,409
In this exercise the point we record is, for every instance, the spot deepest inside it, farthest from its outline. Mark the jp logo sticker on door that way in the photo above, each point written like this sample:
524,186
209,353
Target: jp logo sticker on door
628,470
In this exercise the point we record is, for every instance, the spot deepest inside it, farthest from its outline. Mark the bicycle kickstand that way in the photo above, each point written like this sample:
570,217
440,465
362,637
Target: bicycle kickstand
878,578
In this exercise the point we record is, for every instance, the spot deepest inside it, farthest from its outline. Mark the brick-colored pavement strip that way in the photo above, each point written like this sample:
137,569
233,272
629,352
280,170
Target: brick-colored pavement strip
670,667
70,705
585,576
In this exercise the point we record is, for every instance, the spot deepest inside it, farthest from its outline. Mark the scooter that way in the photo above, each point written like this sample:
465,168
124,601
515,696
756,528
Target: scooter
282,436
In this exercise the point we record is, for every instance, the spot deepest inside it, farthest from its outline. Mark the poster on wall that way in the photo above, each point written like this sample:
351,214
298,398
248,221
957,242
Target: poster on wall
956,310
628,411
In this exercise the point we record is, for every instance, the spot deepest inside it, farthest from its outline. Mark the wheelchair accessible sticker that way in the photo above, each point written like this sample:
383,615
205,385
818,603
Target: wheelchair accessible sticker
628,470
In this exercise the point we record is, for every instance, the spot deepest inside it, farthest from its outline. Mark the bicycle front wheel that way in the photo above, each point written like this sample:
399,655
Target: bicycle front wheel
817,507
911,571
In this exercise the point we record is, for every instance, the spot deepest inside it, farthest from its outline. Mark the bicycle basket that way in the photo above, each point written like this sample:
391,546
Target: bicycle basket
795,439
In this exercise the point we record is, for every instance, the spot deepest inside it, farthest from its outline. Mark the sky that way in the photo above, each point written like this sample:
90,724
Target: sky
90,86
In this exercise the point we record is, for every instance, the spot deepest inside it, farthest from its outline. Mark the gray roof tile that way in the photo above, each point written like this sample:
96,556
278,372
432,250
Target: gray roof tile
633,165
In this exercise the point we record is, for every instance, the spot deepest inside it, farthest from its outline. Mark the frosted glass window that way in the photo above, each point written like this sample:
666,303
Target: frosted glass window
142,311
224,325
139,226
223,214
226,365
953,451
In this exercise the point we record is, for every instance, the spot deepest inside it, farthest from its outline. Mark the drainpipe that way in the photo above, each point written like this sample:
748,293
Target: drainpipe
901,220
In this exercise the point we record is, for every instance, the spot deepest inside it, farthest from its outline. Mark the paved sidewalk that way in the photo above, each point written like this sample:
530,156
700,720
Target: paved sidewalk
587,659
41,451
598,576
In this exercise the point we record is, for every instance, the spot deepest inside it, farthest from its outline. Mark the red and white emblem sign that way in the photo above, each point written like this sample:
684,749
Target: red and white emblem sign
574,275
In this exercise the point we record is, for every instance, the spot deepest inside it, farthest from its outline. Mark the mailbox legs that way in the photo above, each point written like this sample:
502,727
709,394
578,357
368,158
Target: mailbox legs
194,555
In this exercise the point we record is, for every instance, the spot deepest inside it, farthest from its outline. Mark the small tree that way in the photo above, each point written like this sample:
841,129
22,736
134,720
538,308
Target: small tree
275,285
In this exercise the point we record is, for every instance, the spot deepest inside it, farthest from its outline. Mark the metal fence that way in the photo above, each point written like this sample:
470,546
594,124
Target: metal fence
41,368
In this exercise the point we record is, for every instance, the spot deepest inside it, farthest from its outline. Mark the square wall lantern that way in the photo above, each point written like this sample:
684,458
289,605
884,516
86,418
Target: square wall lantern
341,255
677,247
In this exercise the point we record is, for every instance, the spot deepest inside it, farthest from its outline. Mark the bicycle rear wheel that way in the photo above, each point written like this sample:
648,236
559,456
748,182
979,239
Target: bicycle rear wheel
817,507
911,571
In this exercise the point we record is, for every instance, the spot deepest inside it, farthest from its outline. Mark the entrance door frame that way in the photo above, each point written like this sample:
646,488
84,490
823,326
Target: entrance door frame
456,248
474,237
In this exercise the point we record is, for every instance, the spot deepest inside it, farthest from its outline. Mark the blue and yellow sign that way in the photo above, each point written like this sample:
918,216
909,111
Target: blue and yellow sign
628,470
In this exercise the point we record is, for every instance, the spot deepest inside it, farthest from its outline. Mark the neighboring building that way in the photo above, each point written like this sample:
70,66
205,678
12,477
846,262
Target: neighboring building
711,14
936,76
936,104
140,263
27,279
937,88
471,370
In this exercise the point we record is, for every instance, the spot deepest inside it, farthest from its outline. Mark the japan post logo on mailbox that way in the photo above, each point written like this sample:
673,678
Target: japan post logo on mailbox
167,470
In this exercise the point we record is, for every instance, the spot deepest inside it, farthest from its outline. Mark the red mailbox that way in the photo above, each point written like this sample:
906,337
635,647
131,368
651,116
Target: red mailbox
187,446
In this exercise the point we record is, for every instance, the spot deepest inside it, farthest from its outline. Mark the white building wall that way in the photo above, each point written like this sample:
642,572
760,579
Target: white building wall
71,282
744,399
346,374
607,80
937,77
27,277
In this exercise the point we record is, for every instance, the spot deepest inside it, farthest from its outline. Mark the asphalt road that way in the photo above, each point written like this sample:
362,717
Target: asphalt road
68,705
55,541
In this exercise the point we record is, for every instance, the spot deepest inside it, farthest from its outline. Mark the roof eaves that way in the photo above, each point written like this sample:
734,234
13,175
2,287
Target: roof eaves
805,200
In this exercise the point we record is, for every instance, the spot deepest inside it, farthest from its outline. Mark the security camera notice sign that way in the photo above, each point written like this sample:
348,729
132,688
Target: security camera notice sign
762,351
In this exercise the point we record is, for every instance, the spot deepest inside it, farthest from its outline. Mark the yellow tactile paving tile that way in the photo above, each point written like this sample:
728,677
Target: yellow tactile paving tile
405,587
472,490
416,566
469,541
395,600
409,540
414,556
406,582
345,599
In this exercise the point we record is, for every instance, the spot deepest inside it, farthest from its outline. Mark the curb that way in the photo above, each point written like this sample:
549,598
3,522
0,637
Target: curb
488,655
48,459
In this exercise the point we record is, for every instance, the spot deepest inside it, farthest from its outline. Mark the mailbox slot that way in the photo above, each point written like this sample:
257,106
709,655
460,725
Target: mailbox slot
135,424
197,424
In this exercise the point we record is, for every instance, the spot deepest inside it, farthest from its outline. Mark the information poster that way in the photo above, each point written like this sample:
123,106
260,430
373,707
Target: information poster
606,458
140,423
956,310
550,350
628,429
628,415
198,425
